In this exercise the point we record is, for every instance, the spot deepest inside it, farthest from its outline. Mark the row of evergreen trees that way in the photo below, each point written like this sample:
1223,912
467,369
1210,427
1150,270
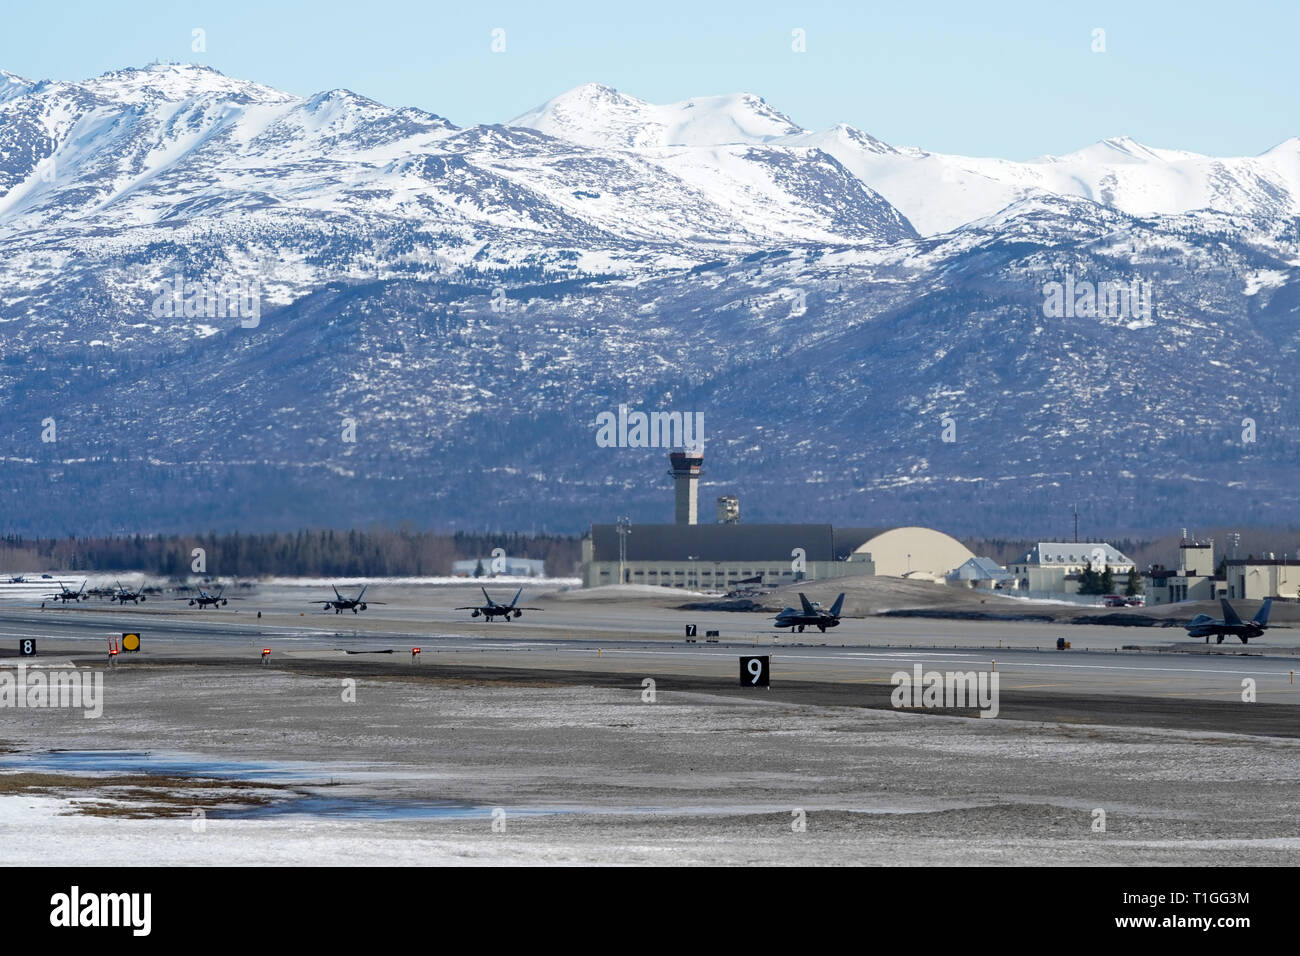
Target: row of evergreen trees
328,553
1103,582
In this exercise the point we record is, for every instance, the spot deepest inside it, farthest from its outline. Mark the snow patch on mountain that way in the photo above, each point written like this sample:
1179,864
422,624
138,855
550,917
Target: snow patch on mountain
600,117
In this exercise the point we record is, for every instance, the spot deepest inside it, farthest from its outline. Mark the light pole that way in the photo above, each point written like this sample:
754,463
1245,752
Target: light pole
693,558
624,529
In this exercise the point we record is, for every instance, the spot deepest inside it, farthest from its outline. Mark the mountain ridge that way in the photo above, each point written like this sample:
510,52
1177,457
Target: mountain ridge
471,298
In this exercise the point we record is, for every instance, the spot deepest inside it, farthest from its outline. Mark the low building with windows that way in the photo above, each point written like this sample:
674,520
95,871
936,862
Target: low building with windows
715,556
1052,567
1192,580
1254,579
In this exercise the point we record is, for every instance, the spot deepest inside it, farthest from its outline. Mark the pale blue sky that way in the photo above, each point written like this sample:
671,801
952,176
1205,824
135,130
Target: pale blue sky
1015,79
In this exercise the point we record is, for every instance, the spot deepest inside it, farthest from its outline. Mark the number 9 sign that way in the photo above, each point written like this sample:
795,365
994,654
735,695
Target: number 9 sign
756,671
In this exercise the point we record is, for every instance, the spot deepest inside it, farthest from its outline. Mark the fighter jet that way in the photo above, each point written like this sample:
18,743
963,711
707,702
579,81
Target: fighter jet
66,594
341,603
122,595
1204,626
812,615
204,599
492,608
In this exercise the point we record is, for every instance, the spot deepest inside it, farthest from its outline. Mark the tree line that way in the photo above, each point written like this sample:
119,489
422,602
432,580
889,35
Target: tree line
327,553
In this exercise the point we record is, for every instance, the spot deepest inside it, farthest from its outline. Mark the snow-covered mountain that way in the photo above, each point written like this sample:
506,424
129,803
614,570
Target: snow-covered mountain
938,192
172,146
472,298
602,118
12,85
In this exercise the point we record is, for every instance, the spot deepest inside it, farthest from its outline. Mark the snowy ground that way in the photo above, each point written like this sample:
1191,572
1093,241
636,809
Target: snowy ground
413,770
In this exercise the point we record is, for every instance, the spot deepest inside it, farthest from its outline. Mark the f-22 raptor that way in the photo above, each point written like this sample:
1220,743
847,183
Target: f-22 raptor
492,609
1204,626
812,615
66,594
203,599
341,603
122,595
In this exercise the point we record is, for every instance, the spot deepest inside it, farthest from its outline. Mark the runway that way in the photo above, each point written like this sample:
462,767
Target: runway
1161,677
548,717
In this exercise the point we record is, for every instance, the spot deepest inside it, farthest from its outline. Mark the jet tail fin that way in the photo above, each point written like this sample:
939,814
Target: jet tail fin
807,605
485,594
839,603
1229,615
515,600
1261,616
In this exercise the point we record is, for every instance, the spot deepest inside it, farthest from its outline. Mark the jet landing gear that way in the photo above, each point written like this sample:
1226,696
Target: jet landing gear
800,628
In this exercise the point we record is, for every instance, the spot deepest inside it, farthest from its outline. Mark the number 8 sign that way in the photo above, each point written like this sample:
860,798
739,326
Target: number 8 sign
756,671
27,647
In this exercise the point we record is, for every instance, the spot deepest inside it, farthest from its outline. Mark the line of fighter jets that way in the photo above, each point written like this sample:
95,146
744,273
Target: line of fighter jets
812,614
809,614
119,594
122,594
491,610
339,603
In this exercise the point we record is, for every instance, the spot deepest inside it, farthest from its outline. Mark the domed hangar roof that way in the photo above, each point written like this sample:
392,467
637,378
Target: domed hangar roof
901,552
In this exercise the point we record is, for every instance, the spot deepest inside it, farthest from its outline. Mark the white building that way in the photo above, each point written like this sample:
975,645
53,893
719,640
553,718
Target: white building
509,567
1046,566
981,573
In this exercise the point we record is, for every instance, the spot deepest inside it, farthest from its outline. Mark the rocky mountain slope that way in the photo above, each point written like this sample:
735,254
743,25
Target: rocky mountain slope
212,287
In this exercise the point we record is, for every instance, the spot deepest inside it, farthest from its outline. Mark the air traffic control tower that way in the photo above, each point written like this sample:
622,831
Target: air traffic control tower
685,473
